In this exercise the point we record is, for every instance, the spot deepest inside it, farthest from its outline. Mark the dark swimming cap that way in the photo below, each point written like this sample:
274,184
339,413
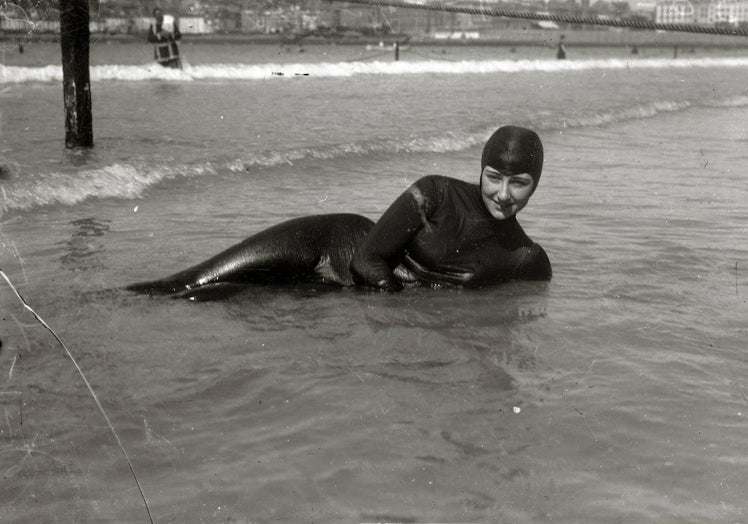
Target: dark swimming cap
514,150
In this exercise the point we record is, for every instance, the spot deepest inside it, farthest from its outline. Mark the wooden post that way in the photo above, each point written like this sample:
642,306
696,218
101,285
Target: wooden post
76,81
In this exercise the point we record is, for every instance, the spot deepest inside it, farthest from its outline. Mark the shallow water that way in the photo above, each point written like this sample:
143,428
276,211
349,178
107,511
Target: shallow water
615,392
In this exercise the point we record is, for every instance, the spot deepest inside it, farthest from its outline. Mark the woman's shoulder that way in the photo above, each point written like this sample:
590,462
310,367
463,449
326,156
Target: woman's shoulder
441,182
437,188
441,179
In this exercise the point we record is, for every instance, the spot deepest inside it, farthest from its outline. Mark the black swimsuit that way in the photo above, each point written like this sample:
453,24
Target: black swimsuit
440,231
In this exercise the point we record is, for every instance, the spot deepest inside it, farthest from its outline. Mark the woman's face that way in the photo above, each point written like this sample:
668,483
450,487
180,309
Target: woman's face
505,195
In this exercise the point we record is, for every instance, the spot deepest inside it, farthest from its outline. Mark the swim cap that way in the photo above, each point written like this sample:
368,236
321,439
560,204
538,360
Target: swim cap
514,150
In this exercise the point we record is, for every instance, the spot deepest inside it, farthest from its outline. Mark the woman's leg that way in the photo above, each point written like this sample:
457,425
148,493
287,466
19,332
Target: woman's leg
313,248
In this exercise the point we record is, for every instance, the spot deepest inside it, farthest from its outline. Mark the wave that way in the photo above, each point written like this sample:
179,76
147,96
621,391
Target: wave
152,71
625,114
735,101
131,180
124,181
460,141
450,142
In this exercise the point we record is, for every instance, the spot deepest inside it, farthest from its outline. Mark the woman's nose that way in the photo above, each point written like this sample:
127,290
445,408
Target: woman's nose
503,192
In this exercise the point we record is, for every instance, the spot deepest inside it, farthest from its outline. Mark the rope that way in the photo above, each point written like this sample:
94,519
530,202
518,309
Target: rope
90,389
633,24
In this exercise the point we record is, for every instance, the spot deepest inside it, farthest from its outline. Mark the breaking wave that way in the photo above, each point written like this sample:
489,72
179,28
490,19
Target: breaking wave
152,71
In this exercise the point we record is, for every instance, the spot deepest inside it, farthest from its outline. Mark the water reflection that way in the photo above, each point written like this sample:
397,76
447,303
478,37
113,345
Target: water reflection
81,156
167,91
422,336
82,251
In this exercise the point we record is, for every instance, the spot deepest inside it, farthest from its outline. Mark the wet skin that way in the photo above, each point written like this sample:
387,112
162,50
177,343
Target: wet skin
505,195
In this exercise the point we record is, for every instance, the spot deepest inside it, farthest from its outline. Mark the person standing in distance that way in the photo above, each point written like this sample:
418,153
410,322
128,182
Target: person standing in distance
164,35
561,53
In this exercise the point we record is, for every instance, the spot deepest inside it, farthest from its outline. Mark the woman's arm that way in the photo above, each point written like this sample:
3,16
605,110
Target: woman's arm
536,265
379,254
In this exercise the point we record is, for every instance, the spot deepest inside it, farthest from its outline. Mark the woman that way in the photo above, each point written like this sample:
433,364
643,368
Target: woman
440,231
444,230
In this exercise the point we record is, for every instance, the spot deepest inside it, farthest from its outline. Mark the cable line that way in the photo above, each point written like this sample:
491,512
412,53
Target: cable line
530,15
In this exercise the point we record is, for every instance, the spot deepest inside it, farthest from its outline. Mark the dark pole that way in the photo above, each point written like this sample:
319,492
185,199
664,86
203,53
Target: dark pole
76,81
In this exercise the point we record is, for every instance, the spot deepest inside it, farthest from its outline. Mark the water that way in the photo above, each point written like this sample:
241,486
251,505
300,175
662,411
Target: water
615,392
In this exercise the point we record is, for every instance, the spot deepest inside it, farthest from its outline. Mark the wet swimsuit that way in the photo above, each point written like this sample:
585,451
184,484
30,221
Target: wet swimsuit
439,231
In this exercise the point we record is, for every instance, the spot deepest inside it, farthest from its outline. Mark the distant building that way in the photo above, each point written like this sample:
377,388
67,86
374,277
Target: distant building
704,12
457,35
643,7
730,12
194,25
111,26
188,25
270,21
674,12
19,25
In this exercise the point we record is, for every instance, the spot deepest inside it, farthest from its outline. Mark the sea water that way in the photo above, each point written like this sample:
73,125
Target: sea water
614,393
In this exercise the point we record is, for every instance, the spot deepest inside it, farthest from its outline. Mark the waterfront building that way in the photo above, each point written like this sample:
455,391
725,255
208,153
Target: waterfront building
674,12
719,12
704,12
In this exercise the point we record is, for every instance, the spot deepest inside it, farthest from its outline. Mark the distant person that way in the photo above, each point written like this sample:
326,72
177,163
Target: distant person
561,53
164,35
635,50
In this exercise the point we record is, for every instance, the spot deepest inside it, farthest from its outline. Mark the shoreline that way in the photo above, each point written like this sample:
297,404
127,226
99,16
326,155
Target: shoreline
507,38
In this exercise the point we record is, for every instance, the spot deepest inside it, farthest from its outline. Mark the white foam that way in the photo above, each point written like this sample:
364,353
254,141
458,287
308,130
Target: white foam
152,71
113,181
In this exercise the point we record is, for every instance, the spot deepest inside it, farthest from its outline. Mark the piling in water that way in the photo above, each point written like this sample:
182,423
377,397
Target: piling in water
76,82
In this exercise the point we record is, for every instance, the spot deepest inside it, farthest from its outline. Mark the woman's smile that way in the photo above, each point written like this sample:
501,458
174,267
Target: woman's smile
504,195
